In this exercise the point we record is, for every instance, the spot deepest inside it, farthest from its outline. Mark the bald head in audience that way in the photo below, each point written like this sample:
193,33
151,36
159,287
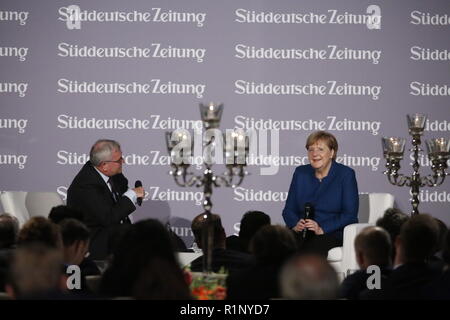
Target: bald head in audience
309,277
373,247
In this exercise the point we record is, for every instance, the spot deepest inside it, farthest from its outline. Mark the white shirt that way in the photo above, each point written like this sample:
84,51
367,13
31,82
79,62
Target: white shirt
130,194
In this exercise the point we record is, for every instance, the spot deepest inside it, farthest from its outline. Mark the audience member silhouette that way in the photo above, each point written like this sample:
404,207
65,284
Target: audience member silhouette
74,233
40,230
9,227
134,259
59,213
36,273
436,261
439,288
75,236
271,247
372,247
161,280
309,277
392,222
251,222
414,246
230,260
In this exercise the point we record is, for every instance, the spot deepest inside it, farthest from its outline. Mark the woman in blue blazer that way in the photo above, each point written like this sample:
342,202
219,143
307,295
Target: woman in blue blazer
329,188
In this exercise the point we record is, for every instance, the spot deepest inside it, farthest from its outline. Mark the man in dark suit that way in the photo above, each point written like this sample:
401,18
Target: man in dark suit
222,257
101,192
411,274
372,248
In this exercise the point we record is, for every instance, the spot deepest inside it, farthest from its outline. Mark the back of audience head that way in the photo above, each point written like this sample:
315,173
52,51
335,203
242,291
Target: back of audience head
446,250
141,243
373,247
442,236
309,277
251,222
75,237
392,222
199,229
417,240
9,228
40,230
160,280
59,213
35,271
273,244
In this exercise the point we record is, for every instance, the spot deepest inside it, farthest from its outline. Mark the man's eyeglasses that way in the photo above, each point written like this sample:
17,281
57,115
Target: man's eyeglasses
116,161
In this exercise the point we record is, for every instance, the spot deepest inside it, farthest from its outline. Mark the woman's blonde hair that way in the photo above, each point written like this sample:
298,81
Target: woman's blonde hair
324,136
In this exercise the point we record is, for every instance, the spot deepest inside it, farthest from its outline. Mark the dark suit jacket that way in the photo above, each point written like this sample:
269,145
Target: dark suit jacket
258,282
407,282
356,283
90,194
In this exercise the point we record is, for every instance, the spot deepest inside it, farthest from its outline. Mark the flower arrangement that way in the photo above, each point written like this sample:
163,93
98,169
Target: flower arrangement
207,286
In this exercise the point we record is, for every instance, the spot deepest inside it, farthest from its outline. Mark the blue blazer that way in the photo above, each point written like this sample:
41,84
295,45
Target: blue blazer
335,198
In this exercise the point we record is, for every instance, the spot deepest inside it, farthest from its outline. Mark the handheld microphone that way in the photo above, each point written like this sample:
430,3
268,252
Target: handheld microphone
309,209
138,184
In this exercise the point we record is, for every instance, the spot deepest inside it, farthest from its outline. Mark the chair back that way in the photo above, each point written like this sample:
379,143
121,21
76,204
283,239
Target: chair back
24,205
371,207
378,204
13,202
40,203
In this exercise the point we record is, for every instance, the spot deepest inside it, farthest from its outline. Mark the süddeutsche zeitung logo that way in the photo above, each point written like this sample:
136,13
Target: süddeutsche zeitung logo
16,52
19,16
156,193
75,17
155,86
429,19
18,160
434,196
331,88
155,50
429,90
426,54
372,163
437,125
372,18
155,122
12,123
331,52
331,123
65,157
423,160
244,194
19,88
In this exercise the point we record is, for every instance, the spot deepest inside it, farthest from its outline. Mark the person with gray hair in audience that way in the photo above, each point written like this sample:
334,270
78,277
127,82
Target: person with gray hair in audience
372,248
309,277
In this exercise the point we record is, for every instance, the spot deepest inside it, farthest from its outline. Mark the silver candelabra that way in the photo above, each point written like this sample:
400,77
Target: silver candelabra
438,153
234,144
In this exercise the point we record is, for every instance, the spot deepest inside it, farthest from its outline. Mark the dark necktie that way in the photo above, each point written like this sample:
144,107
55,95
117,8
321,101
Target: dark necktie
115,195
113,191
